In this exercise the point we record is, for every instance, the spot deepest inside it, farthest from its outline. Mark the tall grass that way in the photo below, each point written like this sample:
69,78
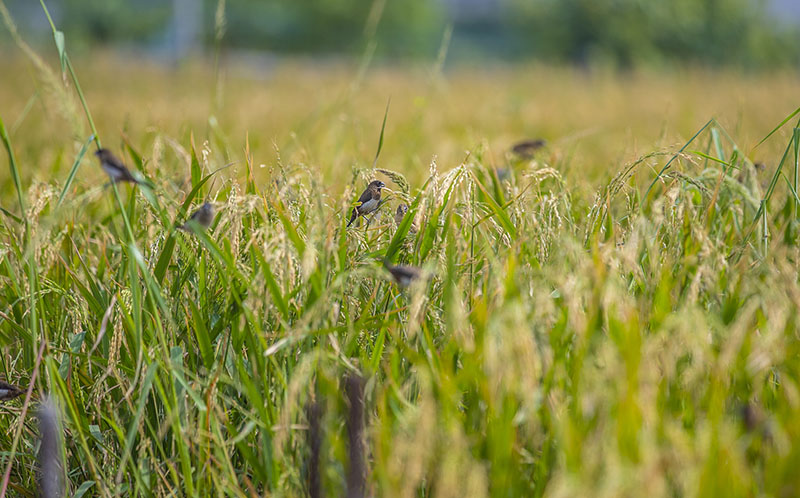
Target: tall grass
577,339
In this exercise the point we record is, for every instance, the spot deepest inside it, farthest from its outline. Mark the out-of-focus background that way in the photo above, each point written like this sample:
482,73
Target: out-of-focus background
746,33
602,80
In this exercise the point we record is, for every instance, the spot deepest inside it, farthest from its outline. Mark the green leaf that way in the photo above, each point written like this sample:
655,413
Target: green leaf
402,230
94,430
198,401
502,217
196,170
62,51
144,393
272,286
201,334
82,489
291,231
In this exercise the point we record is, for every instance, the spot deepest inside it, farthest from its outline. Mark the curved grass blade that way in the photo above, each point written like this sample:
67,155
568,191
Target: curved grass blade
74,169
786,120
380,139
497,209
12,164
405,226
675,156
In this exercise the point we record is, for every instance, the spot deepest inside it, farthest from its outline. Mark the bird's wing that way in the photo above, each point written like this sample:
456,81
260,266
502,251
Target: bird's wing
366,196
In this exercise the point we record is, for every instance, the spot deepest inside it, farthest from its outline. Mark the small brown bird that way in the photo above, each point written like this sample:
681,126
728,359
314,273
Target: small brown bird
114,168
9,391
526,148
369,200
202,218
402,209
404,275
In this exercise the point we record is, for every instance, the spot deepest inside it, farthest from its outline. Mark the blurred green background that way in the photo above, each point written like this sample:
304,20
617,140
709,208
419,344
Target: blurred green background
620,33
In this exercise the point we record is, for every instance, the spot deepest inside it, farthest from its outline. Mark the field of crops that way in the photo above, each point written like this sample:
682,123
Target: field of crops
617,313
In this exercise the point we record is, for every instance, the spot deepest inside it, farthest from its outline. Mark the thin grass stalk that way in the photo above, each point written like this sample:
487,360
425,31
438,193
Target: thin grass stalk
219,34
764,230
74,170
124,214
25,111
796,137
66,62
12,164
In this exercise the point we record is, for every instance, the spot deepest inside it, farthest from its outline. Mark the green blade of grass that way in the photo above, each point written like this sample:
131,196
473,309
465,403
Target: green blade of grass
402,230
675,156
380,139
74,170
785,120
502,217
12,164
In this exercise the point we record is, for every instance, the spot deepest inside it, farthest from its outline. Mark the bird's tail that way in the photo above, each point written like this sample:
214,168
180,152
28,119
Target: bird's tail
352,218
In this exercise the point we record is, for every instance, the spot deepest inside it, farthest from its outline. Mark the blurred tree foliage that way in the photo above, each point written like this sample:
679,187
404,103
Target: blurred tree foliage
113,20
407,27
620,32
627,32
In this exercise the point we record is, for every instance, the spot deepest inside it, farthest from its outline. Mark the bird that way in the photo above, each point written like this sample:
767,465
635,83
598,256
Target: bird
369,200
9,391
404,275
203,217
114,168
526,148
402,209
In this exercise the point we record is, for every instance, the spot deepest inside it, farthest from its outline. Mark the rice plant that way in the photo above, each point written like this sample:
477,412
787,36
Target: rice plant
575,337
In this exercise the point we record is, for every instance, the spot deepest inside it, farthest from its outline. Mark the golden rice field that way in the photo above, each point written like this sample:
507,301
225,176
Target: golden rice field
617,315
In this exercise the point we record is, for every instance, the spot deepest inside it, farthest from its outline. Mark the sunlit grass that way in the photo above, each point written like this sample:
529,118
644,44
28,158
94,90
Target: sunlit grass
580,336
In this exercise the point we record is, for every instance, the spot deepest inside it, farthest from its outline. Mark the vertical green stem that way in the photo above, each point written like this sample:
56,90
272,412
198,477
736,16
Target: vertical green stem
765,235
74,79
12,164
83,103
124,213
796,138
